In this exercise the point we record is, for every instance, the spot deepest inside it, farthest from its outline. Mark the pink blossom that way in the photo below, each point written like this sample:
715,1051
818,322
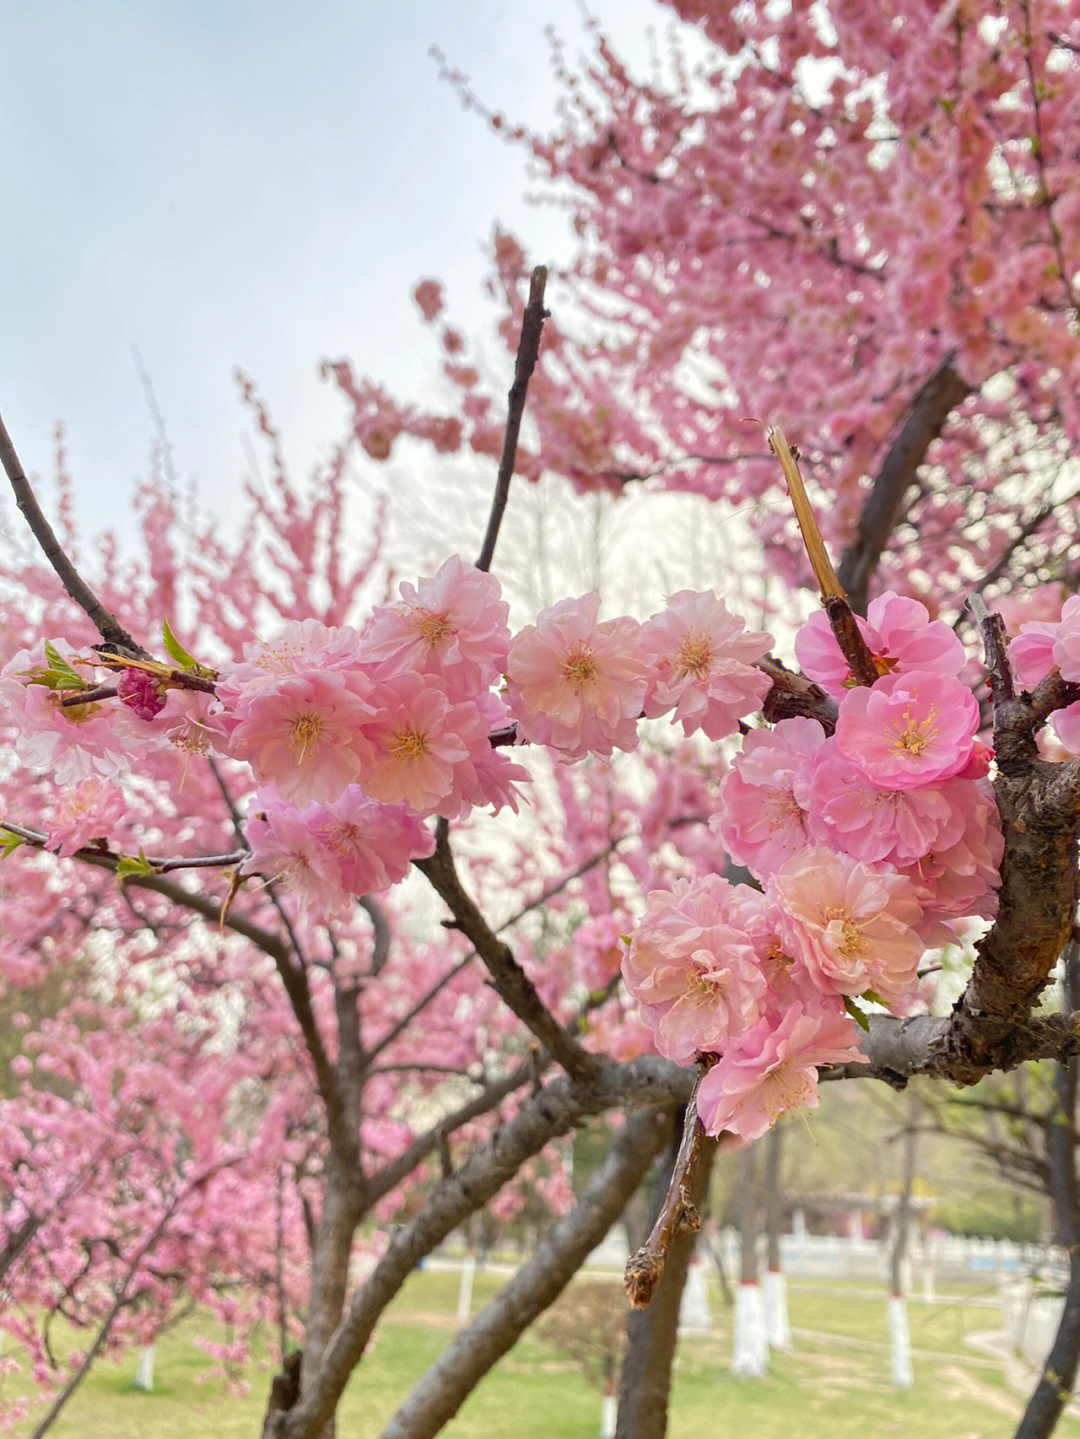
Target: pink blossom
303,647
374,843
577,685
327,854
896,825
901,637
83,812
908,729
773,1068
285,846
704,663
694,966
71,742
956,882
429,299
762,821
302,736
419,745
453,624
1031,653
1067,640
855,927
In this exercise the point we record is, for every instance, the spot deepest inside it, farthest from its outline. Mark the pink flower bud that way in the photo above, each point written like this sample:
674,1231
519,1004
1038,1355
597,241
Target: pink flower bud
142,693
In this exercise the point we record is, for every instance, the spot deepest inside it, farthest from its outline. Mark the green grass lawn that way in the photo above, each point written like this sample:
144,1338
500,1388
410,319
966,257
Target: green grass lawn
834,1383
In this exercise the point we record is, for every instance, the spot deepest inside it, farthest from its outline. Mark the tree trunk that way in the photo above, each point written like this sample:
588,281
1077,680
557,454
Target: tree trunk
899,1332
774,1289
652,1333
751,1347
1052,1392
558,1257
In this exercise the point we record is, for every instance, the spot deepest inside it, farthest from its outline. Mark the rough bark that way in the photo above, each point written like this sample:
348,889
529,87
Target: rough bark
499,1325
652,1333
551,1112
1053,1390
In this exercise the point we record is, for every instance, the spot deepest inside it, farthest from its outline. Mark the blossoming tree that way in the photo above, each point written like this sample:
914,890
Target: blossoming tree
218,833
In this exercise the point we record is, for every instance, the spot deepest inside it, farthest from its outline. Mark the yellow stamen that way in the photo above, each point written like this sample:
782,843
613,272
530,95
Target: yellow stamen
579,668
304,732
410,744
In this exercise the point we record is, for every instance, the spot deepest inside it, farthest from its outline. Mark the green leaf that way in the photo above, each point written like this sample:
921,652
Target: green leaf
59,675
179,655
133,864
9,842
175,649
856,1013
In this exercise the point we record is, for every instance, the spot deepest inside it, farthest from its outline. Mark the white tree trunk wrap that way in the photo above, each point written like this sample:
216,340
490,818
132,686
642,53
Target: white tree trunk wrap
464,1299
774,1292
900,1342
751,1357
694,1315
144,1368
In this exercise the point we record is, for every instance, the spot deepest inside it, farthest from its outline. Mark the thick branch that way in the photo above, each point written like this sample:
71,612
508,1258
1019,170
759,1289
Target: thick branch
541,1118
935,400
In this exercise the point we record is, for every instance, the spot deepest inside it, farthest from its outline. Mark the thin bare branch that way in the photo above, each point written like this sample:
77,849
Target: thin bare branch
108,626
532,325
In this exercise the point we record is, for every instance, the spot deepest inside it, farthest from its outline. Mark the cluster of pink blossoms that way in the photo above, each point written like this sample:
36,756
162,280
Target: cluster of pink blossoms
357,735
869,846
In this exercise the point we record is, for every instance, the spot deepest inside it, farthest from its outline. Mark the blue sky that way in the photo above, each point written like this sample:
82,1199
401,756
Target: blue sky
247,184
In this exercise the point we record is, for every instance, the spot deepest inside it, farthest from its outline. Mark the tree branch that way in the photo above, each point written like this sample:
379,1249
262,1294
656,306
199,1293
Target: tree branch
512,984
541,1118
934,401
108,626
532,325
558,1256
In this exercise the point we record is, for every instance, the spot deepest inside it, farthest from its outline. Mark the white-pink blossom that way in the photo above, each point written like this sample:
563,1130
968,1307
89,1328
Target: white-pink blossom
773,1068
83,812
72,742
855,927
453,624
704,659
694,965
576,684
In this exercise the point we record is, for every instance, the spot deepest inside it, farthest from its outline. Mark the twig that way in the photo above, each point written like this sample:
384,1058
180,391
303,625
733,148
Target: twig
644,1268
848,636
532,324
108,626
995,643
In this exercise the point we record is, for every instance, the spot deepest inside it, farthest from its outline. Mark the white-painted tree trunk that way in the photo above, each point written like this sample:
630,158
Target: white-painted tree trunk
694,1316
900,1342
777,1328
751,1356
464,1299
144,1369
607,1416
